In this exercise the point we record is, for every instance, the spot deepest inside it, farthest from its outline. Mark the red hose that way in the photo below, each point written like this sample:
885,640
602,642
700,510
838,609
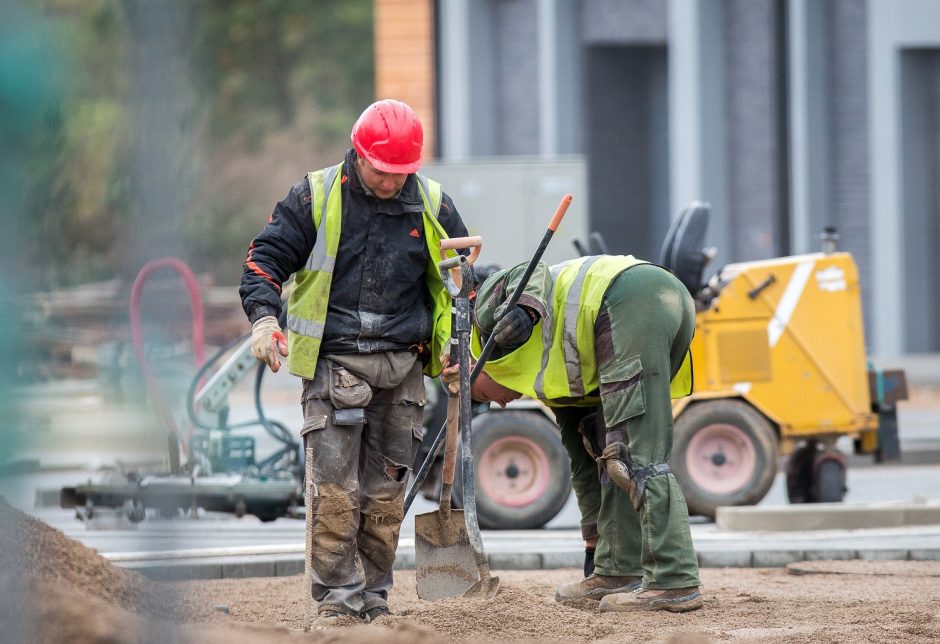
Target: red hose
195,301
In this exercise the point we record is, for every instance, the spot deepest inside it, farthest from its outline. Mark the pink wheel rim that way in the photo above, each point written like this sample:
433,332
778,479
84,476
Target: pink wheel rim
513,471
721,459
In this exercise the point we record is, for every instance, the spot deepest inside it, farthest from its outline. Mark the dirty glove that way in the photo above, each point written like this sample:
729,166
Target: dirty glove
512,329
267,341
621,470
626,474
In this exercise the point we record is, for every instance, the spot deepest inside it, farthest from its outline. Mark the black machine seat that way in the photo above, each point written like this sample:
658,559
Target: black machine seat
683,252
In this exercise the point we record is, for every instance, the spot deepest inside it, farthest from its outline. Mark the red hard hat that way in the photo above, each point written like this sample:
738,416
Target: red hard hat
388,135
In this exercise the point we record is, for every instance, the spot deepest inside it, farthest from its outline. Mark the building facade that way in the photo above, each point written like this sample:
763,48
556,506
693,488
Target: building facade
786,115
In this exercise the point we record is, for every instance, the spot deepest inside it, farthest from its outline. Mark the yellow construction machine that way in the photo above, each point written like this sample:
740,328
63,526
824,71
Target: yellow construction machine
780,369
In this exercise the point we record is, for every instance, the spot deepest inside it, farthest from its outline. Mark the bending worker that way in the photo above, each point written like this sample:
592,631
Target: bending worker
368,313
604,341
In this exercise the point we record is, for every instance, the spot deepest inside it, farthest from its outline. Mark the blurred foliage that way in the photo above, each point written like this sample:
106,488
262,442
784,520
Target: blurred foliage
261,58
31,73
277,86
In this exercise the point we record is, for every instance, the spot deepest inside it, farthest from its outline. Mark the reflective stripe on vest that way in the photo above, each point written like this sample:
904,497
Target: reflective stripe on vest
309,299
320,259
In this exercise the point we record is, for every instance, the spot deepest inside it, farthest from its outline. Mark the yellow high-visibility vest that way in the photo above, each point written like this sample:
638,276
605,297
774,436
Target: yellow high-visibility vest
557,364
309,300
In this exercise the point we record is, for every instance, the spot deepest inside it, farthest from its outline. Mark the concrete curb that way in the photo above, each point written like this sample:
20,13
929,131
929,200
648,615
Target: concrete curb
284,565
827,516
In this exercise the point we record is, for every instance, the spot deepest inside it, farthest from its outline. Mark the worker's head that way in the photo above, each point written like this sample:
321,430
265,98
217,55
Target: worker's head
486,389
388,139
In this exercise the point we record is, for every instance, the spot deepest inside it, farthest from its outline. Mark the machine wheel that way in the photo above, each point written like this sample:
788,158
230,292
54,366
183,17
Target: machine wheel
266,515
815,476
522,474
136,512
829,485
800,474
725,453
240,508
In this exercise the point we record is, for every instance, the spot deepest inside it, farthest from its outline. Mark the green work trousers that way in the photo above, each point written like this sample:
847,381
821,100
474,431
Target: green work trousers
643,331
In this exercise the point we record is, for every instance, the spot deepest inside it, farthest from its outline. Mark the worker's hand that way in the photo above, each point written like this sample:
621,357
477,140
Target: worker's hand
450,374
514,327
267,341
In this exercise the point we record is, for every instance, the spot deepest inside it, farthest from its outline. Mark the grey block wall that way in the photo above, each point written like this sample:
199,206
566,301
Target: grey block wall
623,21
754,104
515,77
857,170
847,100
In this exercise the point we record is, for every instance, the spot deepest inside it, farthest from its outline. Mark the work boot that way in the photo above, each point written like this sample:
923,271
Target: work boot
374,613
676,600
327,617
595,587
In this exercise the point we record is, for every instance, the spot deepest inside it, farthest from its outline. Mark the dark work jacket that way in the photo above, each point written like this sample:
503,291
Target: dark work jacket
378,300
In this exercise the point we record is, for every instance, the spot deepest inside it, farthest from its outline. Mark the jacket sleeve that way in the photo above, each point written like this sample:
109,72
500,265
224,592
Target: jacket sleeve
280,250
500,286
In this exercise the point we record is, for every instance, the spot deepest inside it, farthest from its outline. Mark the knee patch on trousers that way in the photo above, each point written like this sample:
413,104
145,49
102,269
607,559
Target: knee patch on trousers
383,511
381,523
335,523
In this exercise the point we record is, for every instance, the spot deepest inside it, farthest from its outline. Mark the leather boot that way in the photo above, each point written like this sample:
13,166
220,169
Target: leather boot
675,600
596,587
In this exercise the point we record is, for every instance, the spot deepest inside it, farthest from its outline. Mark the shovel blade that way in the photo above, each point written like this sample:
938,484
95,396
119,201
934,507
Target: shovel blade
484,589
444,561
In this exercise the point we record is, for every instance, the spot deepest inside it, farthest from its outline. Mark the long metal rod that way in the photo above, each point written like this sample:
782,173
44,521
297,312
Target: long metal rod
422,472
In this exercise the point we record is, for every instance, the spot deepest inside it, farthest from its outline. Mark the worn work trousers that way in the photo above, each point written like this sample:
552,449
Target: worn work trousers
643,331
359,477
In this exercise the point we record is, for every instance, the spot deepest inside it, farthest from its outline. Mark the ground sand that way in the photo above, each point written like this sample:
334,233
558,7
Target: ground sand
56,590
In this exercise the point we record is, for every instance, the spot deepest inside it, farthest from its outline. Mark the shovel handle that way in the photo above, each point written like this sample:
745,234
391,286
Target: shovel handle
422,472
474,242
450,443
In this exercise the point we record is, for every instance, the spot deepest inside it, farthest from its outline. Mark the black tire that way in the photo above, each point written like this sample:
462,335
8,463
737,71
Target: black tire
725,453
505,437
813,476
137,512
829,485
268,514
799,470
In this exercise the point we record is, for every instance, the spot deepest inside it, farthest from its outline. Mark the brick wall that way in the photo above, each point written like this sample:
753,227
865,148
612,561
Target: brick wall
404,59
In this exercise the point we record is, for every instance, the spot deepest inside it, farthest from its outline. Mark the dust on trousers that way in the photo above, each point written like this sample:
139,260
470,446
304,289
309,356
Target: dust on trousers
362,439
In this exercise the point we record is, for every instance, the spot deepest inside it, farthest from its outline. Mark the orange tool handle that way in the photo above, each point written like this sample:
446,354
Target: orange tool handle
454,243
560,213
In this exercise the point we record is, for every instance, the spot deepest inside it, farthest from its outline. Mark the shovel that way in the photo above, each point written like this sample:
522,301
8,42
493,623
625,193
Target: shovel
448,546
444,560
422,472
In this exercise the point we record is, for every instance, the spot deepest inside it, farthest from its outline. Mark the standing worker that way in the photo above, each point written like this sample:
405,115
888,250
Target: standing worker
368,313
604,341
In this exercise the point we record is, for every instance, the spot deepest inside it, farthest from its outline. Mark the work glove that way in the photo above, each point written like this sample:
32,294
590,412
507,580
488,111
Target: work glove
267,341
514,327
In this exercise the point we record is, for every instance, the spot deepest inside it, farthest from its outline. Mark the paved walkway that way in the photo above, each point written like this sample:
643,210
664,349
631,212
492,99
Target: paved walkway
546,549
